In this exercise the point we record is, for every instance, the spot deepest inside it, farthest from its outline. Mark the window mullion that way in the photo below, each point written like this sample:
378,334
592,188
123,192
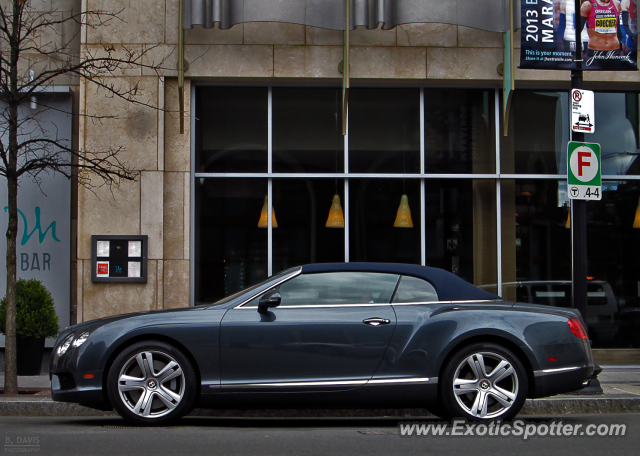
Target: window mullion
270,183
347,219
423,218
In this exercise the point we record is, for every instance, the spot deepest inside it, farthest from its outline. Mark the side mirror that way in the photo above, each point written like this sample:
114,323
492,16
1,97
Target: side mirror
269,300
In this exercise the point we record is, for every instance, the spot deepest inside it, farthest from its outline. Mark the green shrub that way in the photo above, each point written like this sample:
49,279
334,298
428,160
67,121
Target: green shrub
35,314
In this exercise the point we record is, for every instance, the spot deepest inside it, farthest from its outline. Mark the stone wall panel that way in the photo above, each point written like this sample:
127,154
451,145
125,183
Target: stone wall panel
474,38
247,61
106,299
464,63
273,33
135,126
440,35
173,216
139,22
176,284
388,62
105,210
307,61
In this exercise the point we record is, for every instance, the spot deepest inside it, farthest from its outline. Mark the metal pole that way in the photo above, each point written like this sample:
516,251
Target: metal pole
346,66
579,217
181,64
578,207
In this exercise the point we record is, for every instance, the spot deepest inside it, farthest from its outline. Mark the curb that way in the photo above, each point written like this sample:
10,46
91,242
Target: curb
559,406
581,406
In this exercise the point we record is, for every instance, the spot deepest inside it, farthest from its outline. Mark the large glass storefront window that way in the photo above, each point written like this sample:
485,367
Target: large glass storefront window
307,130
232,248
384,131
459,131
382,227
446,223
536,249
539,132
302,208
415,181
231,130
613,249
536,254
536,242
617,132
460,234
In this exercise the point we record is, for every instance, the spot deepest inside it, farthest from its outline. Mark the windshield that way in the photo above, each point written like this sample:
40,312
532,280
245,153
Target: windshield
258,287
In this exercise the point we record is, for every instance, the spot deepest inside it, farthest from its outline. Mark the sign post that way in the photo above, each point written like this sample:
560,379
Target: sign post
578,207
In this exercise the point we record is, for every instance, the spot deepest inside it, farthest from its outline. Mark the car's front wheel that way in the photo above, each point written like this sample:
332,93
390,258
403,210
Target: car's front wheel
483,381
151,383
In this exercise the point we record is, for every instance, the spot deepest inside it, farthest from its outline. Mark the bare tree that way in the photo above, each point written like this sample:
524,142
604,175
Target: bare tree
26,149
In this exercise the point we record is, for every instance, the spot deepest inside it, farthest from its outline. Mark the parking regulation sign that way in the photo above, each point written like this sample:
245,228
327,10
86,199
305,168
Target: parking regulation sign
584,178
583,113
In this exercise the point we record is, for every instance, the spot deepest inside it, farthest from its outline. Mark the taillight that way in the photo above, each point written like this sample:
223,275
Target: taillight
577,329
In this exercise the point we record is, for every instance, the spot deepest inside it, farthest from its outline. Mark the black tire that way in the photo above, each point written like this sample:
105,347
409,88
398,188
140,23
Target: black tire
152,397
502,385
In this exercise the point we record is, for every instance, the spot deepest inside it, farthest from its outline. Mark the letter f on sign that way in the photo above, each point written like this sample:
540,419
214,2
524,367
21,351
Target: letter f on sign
582,163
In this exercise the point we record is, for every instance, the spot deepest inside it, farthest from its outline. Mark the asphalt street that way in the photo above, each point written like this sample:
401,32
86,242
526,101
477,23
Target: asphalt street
193,436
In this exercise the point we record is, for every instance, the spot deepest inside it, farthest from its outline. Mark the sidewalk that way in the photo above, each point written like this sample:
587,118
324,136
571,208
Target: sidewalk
621,386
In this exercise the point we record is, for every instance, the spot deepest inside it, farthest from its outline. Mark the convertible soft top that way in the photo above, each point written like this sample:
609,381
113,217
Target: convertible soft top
449,286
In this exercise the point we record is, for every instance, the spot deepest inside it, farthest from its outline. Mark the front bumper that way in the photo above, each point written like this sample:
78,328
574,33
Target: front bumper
67,387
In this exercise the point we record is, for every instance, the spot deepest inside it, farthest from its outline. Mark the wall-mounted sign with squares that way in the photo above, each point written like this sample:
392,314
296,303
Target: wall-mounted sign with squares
119,258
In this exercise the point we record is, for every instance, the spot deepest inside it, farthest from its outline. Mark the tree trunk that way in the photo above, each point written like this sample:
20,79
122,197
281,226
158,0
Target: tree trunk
10,369
10,364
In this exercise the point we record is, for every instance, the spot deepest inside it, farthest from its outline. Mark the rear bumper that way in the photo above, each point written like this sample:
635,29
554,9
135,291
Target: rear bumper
557,381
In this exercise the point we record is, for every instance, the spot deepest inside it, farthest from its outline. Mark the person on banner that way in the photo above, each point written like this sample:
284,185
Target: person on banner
567,28
629,25
605,34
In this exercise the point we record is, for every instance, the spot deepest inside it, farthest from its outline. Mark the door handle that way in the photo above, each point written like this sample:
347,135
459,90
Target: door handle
376,321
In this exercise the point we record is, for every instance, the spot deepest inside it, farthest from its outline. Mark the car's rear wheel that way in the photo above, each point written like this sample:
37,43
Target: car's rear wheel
151,383
483,381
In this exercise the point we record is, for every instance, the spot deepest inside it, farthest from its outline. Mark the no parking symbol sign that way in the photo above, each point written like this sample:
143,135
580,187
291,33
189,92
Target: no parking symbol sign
584,178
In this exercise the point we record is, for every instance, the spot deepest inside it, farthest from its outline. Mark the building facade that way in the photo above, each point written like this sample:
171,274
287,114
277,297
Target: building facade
263,128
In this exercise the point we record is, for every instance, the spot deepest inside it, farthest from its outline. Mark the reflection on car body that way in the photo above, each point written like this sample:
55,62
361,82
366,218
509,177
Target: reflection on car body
602,305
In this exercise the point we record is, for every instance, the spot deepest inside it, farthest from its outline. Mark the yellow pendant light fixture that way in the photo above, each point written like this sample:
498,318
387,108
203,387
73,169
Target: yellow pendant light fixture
264,222
403,219
636,221
567,225
336,216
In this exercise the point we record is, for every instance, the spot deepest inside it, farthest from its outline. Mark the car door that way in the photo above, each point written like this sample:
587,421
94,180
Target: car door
330,331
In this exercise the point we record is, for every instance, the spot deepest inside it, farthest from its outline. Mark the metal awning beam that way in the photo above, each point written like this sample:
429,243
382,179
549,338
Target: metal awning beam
489,15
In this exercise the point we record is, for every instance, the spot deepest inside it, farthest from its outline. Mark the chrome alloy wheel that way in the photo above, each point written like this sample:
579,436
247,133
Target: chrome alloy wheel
151,384
485,385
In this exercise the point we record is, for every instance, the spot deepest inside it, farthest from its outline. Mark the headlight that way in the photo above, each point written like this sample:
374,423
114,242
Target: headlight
81,339
64,346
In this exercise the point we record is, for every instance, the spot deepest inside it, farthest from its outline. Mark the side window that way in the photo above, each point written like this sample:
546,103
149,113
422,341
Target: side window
334,288
412,289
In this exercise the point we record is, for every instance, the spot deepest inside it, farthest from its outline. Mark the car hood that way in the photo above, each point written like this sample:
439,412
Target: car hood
91,324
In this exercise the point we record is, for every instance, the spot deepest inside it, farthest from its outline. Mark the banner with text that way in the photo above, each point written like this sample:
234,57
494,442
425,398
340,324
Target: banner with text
609,34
